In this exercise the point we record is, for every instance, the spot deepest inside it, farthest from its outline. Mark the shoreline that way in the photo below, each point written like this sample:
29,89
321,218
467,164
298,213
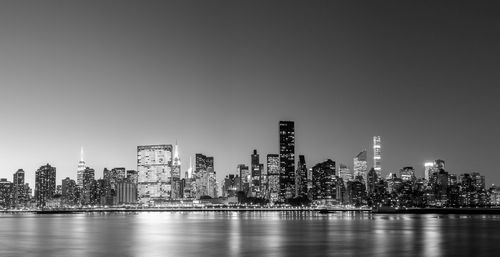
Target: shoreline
479,211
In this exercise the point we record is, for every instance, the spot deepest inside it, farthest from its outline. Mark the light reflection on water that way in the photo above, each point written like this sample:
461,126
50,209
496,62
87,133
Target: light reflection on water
248,234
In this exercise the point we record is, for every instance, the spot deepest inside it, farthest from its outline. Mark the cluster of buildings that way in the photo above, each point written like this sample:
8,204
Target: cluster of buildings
280,179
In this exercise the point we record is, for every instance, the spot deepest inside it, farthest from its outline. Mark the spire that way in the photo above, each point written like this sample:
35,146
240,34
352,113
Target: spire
190,170
81,154
176,150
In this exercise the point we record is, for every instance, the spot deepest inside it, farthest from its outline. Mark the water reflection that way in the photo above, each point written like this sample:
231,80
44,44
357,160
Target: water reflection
248,234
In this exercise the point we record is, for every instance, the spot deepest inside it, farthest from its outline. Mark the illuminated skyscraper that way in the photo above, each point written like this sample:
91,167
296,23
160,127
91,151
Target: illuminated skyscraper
256,175
204,176
287,160
273,177
377,155
45,184
361,165
324,182
428,169
245,178
80,170
176,174
154,167
19,190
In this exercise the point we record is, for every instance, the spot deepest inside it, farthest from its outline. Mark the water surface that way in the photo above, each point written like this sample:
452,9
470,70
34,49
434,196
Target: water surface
248,234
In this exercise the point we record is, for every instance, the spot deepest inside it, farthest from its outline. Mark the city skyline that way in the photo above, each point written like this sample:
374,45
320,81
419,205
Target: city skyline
217,77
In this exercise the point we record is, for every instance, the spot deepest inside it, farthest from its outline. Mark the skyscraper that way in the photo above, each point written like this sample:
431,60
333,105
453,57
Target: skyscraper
324,182
345,173
361,165
245,178
287,160
428,169
256,174
176,174
88,185
204,176
377,155
80,170
45,184
301,177
273,177
19,190
154,167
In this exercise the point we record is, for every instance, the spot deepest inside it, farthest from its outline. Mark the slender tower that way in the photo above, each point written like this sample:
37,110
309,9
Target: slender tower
377,155
80,170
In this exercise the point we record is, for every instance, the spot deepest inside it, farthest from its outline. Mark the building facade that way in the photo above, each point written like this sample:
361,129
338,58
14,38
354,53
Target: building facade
154,167
287,160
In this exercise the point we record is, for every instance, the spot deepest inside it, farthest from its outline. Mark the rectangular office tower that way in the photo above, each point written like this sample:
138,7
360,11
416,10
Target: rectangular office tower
287,160
154,167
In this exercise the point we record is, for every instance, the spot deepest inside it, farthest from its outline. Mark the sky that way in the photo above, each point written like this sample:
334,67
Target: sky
218,76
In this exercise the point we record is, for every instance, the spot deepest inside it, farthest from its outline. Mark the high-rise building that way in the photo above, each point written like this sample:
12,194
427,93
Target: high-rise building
377,155
80,170
176,175
287,160
324,182
428,169
45,184
345,173
19,190
154,167
88,186
273,177
257,167
301,177
360,167
6,188
371,181
68,188
204,176
245,178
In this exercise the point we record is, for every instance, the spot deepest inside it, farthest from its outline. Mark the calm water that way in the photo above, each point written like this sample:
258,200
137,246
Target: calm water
248,234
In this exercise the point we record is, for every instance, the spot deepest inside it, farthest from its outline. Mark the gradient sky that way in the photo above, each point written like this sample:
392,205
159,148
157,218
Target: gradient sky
217,76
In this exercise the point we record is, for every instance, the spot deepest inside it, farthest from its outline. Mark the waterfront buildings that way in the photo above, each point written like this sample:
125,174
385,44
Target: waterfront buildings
45,184
345,173
428,169
287,160
154,166
204,176
6,189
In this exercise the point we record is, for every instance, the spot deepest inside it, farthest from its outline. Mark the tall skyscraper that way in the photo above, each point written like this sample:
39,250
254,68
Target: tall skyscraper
273,177
245,178
287,160
45,184
154,167
19,190
176,174
428,169
256,174
80,170
377,155
371,180
324,182
88,186
301,177
6,188
360,167
204,176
